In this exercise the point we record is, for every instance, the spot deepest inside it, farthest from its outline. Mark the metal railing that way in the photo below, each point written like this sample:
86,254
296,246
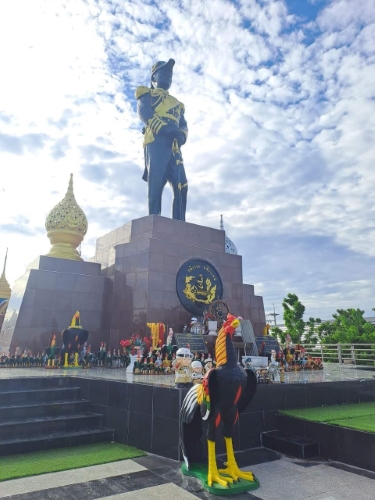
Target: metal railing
347,354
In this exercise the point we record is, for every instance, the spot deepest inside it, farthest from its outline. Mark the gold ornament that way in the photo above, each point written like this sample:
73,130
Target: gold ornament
75,323
66,226
154,327
5,289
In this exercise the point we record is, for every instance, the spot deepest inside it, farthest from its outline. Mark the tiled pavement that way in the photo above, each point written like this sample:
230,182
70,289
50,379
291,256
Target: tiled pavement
154,478
332,372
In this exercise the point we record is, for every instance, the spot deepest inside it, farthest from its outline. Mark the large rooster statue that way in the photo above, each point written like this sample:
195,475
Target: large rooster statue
225,392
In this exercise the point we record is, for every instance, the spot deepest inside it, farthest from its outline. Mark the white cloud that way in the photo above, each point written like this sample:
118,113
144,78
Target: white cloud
280,112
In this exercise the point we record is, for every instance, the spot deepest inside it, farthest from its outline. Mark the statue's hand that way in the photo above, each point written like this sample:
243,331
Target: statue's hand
179,136
175,133
181,139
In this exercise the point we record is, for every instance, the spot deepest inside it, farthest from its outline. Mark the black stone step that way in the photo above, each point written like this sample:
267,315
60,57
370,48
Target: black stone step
291,425
18,411
290,444
27,383
37,425
51,440
38,395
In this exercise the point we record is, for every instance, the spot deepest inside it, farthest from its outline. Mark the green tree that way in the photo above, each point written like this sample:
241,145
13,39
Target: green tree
312,335
325,332
278,334
293,316
348,327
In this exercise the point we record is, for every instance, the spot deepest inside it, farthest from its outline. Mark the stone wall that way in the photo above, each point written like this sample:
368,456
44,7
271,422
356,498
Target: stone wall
45,299
143,258
147,416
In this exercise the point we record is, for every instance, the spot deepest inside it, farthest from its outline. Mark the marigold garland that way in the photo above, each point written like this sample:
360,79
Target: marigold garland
157,333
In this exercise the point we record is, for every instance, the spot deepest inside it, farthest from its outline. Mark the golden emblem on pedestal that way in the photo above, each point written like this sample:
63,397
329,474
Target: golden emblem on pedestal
199,289
198,284
66,225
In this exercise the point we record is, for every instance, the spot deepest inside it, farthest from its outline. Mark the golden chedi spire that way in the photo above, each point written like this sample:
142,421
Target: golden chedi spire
66,226
5,289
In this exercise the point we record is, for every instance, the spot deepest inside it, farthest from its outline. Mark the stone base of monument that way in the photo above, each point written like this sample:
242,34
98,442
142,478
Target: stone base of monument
46,297
200,471
168,271
150,270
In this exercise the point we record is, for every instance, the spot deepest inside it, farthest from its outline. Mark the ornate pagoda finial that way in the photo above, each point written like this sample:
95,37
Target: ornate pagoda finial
66,226
5,290
5,263
70,187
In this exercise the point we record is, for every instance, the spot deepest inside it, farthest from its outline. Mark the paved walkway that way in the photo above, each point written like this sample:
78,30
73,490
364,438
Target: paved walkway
155,478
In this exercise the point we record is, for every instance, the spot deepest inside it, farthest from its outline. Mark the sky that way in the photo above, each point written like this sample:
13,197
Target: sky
280,104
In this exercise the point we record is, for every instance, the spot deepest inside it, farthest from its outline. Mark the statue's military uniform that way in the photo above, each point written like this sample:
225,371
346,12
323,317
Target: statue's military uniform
159,111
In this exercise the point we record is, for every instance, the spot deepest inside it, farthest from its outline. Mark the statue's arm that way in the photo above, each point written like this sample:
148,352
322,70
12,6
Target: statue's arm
183,126
144,108
148,116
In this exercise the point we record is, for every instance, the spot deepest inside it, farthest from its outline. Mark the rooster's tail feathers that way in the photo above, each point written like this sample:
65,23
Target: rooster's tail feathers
195,408
187,414
190,404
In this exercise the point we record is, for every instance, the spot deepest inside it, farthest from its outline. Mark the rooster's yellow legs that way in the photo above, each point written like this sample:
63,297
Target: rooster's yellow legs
213,475
231,465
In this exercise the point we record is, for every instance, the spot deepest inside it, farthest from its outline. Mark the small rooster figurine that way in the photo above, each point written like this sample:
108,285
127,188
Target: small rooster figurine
225,392
51,352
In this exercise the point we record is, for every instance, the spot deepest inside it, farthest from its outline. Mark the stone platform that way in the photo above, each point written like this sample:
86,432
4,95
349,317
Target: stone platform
332,372
45,298
143,257
131,281
145,413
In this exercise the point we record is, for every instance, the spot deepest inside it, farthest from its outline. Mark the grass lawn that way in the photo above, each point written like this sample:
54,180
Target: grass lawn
365,423
42,462
355,416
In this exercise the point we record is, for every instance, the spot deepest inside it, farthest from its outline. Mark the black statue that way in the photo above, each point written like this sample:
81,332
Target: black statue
73,338
165,131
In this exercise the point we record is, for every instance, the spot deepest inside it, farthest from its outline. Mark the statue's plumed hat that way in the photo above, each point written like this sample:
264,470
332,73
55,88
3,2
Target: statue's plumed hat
161,64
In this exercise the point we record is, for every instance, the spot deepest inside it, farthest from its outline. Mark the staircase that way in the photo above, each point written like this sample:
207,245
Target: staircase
290,444
43,413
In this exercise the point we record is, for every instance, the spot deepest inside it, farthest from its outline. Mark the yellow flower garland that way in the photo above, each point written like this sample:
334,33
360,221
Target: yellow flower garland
155,329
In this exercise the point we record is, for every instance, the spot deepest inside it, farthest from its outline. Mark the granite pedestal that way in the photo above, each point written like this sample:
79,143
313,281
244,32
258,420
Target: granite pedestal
45,299
130,282
143,257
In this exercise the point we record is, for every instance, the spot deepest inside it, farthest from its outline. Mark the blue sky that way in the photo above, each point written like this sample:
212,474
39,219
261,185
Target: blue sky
306,9
280,103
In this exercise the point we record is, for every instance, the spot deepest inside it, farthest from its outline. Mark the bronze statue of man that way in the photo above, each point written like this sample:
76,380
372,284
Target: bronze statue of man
165,131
